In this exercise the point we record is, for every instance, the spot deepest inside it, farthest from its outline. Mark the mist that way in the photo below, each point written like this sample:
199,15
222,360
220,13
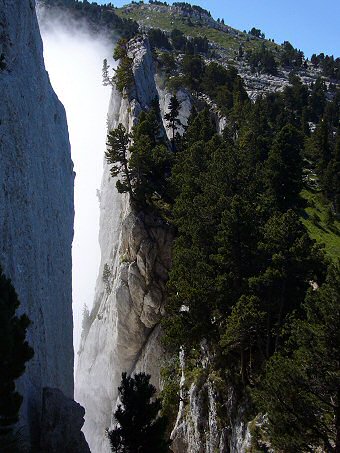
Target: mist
73,58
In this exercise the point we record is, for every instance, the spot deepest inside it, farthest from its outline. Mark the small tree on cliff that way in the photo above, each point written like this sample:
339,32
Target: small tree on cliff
123,77
14,353
118,141
139,428
173,122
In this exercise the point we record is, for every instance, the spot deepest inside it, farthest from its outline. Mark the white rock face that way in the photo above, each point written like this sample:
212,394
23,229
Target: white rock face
199,427
36,203
129,300
184,112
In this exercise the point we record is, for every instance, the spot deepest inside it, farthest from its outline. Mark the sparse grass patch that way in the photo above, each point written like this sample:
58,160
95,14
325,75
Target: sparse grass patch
321,223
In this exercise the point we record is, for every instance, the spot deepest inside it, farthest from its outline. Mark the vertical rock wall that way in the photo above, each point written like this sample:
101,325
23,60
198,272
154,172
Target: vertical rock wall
129,299
36,203
123,333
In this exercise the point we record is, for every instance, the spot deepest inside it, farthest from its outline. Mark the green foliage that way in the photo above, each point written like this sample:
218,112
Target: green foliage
141,160
14,353
167,62
178,39
191,8
224,86
193,68
123,77
107,80
301,390
242,261
256,32
262,60
244,328
291,56
284,168
330,66
172,118
314,217
116,155
158,39
139,428
171,376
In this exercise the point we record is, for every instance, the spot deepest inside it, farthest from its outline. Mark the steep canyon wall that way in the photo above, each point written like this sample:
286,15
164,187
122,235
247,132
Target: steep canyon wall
36,204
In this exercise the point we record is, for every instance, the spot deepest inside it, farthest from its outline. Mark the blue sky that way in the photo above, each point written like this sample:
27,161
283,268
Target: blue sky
312,26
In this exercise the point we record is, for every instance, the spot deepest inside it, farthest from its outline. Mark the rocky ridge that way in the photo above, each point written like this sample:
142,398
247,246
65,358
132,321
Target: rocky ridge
201,23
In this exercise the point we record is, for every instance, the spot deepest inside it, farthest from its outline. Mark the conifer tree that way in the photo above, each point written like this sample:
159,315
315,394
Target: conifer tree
117,156
123,77
289,262
284,168
14,353
139,427
150,159
300,391
172,118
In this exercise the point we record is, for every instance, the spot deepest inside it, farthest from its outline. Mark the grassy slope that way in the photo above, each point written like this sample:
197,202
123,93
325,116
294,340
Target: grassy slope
315,217
230,42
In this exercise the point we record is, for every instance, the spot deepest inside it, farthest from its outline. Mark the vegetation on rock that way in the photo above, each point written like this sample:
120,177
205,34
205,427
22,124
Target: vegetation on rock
139,427
247,277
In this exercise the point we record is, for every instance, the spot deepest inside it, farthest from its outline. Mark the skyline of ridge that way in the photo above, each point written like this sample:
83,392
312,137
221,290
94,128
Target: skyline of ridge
309,26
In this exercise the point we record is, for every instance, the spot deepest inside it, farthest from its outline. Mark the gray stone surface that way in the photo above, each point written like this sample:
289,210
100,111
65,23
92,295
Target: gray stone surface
61,423
198,428
36,204
136,248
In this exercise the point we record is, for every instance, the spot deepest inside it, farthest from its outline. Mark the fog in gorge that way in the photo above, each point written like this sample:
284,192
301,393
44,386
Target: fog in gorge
73,58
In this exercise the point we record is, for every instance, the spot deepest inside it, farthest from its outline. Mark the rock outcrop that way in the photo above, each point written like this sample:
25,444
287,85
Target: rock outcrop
36,204
203,424
61,423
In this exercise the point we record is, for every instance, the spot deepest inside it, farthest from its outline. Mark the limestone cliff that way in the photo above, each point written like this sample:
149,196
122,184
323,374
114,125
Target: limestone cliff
203,424
36,204
129,299
123,333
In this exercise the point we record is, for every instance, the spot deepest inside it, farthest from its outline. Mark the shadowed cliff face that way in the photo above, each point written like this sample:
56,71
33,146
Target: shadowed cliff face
36,203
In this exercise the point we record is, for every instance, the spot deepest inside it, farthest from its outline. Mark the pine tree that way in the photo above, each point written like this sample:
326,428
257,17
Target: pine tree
150,159
290,260
300,391
139,427
284,168
123,77
14,353
172,118
244,329
116,155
